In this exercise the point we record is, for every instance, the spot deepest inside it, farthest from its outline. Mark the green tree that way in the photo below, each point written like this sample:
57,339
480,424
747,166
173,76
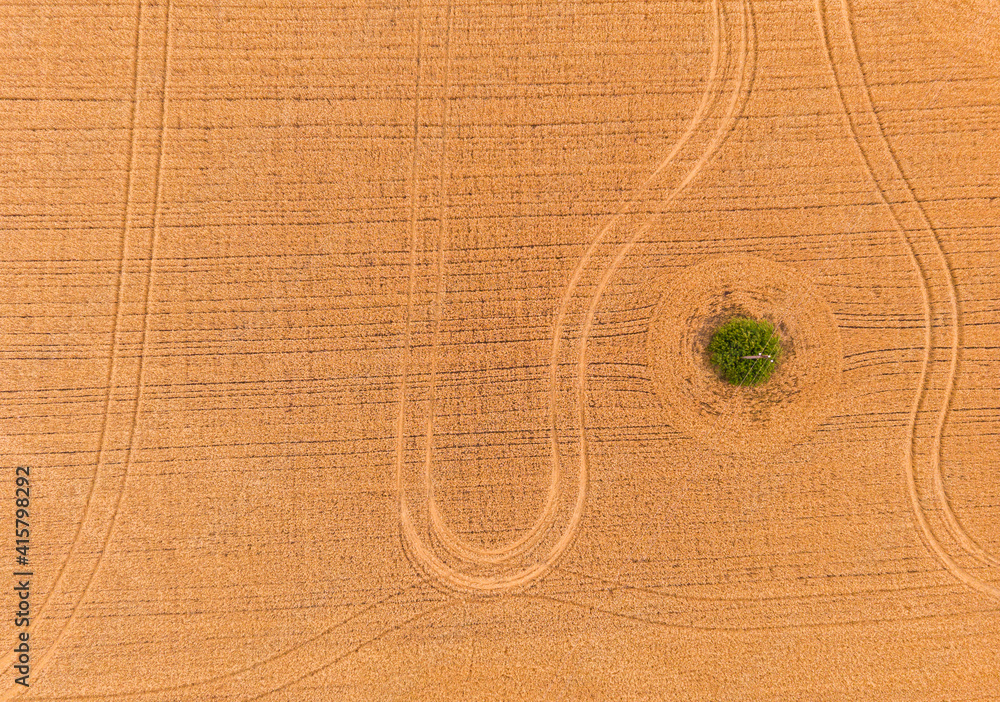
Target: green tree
741,337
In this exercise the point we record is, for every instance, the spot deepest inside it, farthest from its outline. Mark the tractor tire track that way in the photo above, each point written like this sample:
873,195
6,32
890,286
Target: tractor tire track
423,554
906,209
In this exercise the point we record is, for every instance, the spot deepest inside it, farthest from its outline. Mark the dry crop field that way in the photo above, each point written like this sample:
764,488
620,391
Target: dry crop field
356,351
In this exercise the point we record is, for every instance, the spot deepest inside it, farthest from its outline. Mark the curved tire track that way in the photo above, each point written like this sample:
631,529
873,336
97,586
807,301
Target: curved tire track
114,363
136,400
548,515
426,558
883,167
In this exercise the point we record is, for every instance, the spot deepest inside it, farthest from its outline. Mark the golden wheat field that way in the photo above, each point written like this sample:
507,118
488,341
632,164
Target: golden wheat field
356,350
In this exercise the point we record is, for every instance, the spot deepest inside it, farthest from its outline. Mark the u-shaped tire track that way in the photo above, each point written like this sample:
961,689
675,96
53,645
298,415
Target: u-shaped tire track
547,517
423,553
